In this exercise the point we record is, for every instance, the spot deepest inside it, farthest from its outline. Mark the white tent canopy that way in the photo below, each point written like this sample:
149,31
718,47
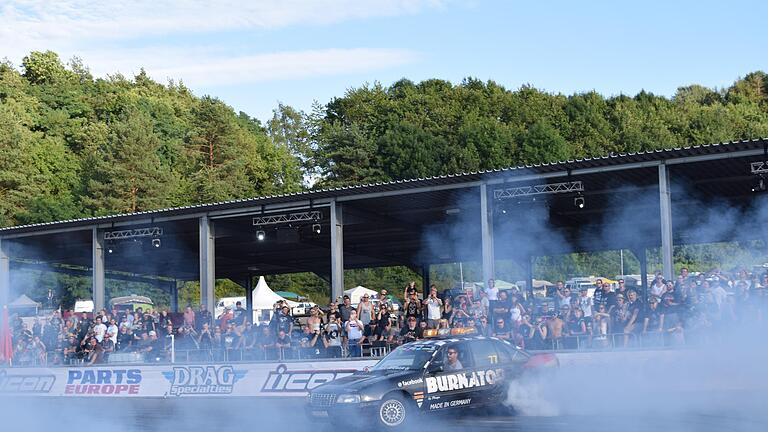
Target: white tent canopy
356,293
25,304
22,302
265,298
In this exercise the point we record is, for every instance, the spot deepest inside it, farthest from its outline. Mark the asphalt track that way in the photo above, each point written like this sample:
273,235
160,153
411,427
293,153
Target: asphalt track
190,415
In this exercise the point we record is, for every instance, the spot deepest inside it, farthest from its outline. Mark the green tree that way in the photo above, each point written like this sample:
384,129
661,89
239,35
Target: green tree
126,174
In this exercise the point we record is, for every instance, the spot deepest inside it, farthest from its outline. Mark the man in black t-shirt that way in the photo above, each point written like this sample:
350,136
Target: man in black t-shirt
411,331
240,315
413,307
203,316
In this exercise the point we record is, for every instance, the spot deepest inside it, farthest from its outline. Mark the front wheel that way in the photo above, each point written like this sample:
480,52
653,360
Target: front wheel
394,411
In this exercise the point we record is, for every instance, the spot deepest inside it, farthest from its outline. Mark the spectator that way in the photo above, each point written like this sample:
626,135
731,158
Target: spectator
203,316
108,345
189,318
585,303
383,319
491,291
603,296
284,320
433,308
225,318
240,316
99,329
333,312
448,308
365,310
653,322
309,343
314,322
555,329
205,338
411,331
266,342
516,310
354,328
124,339
501,330
658,288
482,326
413,306
410,289
332,339
283,344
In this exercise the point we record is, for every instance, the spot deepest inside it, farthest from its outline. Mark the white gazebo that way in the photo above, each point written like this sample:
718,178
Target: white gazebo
264,300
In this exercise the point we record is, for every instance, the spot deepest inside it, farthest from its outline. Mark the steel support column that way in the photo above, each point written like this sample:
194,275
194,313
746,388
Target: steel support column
173,292
486,230
207,256
97,270
643,257
5,275
529,276
665,204
425,280
249,296
337,251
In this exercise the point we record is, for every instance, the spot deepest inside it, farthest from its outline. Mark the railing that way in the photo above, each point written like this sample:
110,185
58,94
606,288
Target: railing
570,343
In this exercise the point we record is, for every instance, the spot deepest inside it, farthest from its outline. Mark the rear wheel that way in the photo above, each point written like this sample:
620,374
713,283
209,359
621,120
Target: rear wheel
394,411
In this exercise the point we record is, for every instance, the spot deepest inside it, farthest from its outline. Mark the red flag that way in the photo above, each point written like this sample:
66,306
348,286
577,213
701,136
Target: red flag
6,343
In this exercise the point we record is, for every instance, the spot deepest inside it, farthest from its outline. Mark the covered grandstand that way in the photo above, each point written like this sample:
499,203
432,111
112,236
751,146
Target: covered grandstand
476,216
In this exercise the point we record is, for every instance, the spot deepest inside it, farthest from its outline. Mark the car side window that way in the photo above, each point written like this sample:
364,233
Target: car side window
462,359
510,354
484,353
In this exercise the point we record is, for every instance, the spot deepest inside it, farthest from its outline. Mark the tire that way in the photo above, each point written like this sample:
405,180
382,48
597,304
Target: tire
394,411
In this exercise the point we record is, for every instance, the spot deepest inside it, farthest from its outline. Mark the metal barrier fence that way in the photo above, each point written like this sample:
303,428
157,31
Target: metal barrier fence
588,342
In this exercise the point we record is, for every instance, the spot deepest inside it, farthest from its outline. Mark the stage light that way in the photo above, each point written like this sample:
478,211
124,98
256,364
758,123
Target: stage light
260,235
317,228
579,202
156,243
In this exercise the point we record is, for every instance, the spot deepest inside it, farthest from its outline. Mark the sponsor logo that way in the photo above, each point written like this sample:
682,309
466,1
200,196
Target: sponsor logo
103,382
410,382
450,404
283,380
199,380
419,398
459,381
26,384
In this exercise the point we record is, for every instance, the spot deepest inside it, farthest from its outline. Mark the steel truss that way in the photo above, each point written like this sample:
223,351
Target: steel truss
550,188
307,216
759,167
133,233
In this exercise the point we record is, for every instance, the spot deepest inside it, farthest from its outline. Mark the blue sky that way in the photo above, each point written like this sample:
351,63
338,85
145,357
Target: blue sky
255,54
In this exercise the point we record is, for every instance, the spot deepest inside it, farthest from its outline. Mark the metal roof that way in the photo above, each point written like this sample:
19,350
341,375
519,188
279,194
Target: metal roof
355,191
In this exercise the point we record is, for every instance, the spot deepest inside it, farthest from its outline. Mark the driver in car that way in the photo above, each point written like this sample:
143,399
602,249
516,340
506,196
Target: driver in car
453,363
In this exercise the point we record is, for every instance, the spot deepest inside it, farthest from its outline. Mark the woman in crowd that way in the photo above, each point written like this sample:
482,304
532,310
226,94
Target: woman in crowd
365,310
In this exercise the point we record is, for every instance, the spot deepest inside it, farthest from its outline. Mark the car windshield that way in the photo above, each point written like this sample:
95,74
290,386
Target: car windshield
406,357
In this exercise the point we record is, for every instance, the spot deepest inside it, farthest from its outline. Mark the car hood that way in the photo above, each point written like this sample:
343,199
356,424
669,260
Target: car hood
362,380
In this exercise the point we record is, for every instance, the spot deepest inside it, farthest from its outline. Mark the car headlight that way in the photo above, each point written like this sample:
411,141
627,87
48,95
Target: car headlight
348,399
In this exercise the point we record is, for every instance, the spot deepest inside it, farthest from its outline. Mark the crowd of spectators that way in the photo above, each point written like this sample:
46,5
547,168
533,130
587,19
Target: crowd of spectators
689,309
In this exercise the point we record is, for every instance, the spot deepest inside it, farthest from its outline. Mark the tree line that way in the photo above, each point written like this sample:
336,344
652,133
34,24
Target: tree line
73,145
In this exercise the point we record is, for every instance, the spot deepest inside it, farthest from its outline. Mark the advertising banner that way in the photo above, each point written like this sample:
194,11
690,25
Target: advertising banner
239,379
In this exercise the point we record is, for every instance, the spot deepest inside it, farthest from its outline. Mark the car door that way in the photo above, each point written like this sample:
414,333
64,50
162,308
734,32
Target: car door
489,370
448,387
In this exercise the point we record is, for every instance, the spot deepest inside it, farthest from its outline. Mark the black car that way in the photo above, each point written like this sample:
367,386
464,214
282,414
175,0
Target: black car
423,377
